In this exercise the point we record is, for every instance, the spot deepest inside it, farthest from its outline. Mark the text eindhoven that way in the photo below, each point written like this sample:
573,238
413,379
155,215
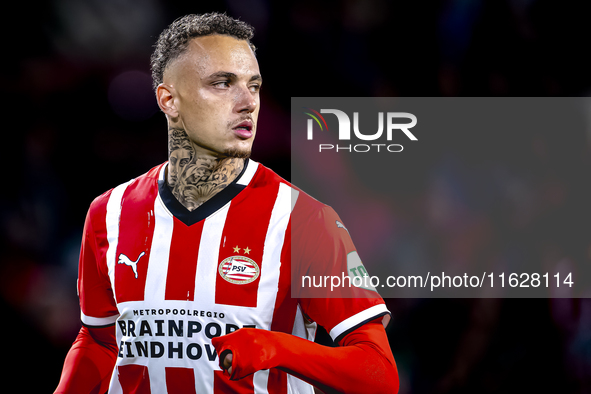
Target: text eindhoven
171,337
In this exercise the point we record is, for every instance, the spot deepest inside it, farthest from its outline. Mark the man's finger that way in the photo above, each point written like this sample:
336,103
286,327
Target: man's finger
227,363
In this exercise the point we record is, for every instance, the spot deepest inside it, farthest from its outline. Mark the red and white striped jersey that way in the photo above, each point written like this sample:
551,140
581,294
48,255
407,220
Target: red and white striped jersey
172,279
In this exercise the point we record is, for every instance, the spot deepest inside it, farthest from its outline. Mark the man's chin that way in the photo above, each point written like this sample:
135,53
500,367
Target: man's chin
237,153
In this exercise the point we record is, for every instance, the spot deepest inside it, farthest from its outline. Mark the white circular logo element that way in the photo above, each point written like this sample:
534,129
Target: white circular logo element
239,270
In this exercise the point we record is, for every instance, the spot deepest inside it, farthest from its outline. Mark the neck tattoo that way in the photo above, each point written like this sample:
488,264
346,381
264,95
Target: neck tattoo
192,179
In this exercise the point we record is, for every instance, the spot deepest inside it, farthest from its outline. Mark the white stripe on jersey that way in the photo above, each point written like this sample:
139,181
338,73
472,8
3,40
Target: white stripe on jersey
260,380
115,385
305,331
251,169
357,319
294,198
159,253
112,223
269,283
162,172
97,321
207,267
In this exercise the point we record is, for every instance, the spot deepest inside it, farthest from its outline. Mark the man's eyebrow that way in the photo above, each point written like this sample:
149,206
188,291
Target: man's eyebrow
223,74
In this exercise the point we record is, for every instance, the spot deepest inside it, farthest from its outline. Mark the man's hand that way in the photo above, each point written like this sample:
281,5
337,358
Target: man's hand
247,350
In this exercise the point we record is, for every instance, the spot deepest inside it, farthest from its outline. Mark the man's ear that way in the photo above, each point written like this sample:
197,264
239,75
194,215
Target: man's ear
165,95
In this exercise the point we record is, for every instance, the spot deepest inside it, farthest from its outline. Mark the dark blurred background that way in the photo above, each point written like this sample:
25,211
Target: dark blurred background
81,118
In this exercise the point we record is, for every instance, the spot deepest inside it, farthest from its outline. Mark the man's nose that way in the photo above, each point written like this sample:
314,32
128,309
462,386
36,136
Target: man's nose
245,101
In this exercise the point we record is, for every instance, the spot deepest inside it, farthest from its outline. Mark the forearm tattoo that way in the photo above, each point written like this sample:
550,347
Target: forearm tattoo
195,180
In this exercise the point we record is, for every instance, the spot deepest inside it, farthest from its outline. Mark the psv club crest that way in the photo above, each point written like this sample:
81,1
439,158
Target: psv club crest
239,270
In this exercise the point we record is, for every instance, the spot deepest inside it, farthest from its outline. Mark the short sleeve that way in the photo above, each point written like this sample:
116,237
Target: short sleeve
330,273
97,304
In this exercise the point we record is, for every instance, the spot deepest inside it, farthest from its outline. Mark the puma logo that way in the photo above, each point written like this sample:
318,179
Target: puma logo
123,259
340,225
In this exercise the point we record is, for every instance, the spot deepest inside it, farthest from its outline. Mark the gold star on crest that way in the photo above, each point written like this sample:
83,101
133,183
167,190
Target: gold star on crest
236,249
246,250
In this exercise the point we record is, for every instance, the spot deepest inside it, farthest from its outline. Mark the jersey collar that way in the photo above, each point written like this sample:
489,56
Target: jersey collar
189,218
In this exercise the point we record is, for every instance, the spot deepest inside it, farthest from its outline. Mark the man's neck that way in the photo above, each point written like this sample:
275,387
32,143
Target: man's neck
195,178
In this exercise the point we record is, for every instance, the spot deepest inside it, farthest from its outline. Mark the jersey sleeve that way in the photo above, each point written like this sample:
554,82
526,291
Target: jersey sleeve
333,283
97,304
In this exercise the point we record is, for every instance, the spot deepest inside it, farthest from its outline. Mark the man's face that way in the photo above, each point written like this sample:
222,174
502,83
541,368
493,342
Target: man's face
217,82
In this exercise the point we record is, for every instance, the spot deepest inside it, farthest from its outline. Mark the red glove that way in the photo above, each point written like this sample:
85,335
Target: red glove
363,363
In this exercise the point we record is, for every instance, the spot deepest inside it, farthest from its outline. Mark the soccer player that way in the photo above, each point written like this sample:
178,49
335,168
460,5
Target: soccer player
185,271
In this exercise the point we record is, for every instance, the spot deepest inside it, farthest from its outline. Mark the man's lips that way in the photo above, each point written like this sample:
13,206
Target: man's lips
243,129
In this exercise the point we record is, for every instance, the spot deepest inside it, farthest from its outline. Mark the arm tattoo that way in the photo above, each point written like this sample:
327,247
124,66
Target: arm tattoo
195,180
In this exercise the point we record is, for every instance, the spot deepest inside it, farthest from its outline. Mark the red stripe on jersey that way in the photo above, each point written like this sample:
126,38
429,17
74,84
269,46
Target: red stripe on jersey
182,263
134,379
136,228
223,385
277,382
284,312
180,380
94,286
285,306
244,234
98,214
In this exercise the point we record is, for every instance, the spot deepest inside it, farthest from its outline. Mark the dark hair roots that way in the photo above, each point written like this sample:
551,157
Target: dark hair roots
173,41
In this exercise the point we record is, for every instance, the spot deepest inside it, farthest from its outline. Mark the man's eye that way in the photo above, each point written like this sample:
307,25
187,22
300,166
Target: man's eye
255,88
222,84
